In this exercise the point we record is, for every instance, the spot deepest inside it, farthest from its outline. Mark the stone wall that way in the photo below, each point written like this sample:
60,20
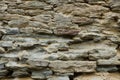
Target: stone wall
59,39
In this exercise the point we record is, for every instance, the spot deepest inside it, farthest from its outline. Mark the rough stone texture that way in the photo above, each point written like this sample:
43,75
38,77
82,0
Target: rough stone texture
59,39
100,76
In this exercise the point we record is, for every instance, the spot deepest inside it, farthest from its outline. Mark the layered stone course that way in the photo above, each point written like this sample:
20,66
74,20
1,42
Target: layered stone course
59,39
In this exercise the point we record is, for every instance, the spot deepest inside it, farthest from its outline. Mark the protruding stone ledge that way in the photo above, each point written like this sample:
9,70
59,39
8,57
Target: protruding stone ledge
38,63
108,62
73,66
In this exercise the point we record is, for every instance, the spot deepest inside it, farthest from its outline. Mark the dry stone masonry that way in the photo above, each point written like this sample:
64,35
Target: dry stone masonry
59,39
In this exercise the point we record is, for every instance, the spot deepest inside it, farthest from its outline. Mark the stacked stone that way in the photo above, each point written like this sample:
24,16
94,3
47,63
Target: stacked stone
59,39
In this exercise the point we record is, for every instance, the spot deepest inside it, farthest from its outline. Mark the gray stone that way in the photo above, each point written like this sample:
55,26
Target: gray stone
6,43
59,78
33,12
44,18
84,35
108,62
16,65
33,5
70,55
39,63
2,64
107,69
73,66
56,46
19,73
102,2
18,23
101,54
44,74
12,31
16,11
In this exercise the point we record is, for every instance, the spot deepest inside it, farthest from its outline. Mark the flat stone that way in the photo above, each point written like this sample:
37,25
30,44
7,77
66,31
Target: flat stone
69,55
19,73
56,46
82,21
44,74
33,5
12,31
16,11
44,18
99,50
100,2
99,76
107,69
101,54
33,12
73,66
6,44
88,10
18,23
66,32
108,62
16,65
59,78
84,35
43,31
39,63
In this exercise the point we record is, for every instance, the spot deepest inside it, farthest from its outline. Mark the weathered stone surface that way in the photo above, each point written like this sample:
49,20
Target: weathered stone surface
45,18
2,64
115,5
20,73
101,54
82,21
6,43
44,74
99,76
38,63
59,39
100,2
16,11
59,78
15,65
95,51
86,35
12,31
57,47
18,23
107,69
66,31
33,5
108,62
73,66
